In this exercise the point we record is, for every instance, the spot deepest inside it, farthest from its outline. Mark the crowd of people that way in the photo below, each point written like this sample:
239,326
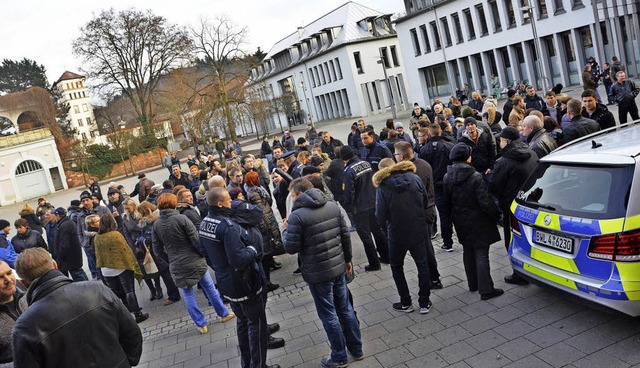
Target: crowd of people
237,212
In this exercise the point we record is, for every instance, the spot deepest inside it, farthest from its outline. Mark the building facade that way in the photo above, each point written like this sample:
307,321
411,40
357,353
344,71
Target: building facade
73,89
346,63
447,43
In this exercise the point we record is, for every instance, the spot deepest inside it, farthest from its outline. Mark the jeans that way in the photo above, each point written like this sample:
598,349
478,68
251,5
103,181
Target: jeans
397,252
212,294
338,318
122,286
624,110
607,87
446,227
476,266
77,275
91,260
252,332
367,224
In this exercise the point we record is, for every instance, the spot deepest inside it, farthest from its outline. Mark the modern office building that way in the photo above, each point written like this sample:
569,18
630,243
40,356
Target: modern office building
446,43
345,63
73,90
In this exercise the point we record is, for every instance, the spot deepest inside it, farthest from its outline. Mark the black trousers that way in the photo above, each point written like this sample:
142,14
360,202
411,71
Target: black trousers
367,224
172,290
397,252
122,286
624,110
431,254
476,267
252,331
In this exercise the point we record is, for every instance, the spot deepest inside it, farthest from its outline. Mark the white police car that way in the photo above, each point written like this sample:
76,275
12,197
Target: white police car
576,221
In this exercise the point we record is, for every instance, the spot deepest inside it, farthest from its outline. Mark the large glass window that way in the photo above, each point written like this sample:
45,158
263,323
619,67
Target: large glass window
469,20
434,29
511,15
447,32
416,42
356,57
542,9
457,27
483,20
496,15
394,56
425,36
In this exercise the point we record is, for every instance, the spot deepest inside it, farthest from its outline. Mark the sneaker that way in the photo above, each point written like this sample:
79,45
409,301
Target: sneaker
435,235
493,294
436,284
447,248
403,308
228,317
425,310
203,330
140,317
297,270
515,279
369,268
329,363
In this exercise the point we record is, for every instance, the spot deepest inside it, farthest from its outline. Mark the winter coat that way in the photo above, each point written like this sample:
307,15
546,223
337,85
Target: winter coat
329,148
374,154
436,153
67,244
483,153
476,104
359,194
535,102
82,227
587,81
288,143
510,172
265,149
578,127
506,111
191,212
145,230
401,204
30,239
51,238
425,173
335,172
42,210
7,321
182,180
75,324
318,232
7,253
541,143
470,206
142,189
234,255
175,240
602,116
271,237
515,117
33,220
112,251
356,142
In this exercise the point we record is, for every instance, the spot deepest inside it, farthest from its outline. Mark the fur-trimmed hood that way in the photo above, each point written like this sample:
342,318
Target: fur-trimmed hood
385,173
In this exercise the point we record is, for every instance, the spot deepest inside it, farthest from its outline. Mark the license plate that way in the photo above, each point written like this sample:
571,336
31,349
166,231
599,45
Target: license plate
554,241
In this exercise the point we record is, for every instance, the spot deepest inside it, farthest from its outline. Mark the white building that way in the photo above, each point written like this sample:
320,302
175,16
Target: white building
331,68
74,91
446,43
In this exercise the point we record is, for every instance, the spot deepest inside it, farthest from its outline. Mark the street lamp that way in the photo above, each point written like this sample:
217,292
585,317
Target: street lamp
304,92
386,79
536,43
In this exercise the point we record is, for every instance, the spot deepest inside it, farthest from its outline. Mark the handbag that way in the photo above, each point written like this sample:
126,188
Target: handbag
149,264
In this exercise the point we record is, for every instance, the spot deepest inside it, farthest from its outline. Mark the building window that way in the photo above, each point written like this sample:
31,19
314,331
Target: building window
76,108
484,29
551,48
356,57
315,70
84,136
496,15
542,9
510,13
469,20
504,54
80,123
526,14
457,27
567,43
416,42
93,133
434,29
385,57
88,121
425,35
339,69
313,80
84,107
394,56
558,7
333,70
324,80
605,35
447,32
576,4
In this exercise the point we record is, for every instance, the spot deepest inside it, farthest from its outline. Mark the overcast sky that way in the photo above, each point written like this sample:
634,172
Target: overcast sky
43,31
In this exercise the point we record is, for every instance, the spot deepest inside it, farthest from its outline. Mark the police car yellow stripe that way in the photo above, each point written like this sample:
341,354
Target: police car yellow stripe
549,276
632,223
544,217
630,278
611,226
562,263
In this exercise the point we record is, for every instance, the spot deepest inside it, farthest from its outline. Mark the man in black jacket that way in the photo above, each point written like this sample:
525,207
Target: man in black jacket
89,207
536,136
402,204
594,110
579,126
509,173
508,106
68,248
483,147
533,101
329,144
552,106
178,177
624,93
359,198
318,232
71,324
373,151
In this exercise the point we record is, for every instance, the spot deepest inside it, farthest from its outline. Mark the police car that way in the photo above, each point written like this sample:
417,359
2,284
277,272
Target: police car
576,221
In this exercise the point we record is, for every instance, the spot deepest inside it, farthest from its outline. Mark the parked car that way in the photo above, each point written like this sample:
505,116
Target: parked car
9,131
576,220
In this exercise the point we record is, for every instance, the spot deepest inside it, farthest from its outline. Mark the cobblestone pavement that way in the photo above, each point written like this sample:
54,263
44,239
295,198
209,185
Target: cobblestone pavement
528,326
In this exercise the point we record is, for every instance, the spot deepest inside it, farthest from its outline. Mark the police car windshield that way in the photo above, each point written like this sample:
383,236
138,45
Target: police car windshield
588,192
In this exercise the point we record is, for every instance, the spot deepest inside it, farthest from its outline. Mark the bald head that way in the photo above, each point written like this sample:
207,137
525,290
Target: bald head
216,196
217,181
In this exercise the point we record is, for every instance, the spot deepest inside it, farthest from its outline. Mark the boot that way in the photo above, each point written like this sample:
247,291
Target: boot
159,295
141,316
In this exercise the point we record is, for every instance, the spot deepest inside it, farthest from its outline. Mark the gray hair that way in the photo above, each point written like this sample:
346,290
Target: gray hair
89,219
533,121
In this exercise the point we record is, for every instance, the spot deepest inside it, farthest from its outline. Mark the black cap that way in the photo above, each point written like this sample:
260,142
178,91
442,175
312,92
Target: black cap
470,120
4,223
85,194
113,190
60,211
141,175
316,161
76,202
509,133
460,152
309,170
346,153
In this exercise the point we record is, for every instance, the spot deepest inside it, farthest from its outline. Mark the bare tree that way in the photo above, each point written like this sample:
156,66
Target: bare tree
128,52
219,44
112,120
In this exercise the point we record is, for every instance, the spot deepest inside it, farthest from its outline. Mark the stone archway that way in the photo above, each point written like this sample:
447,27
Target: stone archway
28,120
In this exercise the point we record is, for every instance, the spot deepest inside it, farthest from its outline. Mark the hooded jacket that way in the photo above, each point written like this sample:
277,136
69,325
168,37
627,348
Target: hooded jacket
401,202
75,324
541,143
436,153
470,206
30,239
602,116
358,191
175,240
510,172
483,153
318,232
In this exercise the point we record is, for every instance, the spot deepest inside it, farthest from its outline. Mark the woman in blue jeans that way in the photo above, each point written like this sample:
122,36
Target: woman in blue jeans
175,240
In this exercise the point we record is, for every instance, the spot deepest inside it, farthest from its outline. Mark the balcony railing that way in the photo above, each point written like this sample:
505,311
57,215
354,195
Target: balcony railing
31,135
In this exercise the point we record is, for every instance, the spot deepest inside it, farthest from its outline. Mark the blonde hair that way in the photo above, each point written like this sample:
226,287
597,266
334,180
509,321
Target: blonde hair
146,209
126,214
33,263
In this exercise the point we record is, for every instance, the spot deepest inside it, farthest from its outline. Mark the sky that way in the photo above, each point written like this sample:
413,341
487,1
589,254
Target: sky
44,31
